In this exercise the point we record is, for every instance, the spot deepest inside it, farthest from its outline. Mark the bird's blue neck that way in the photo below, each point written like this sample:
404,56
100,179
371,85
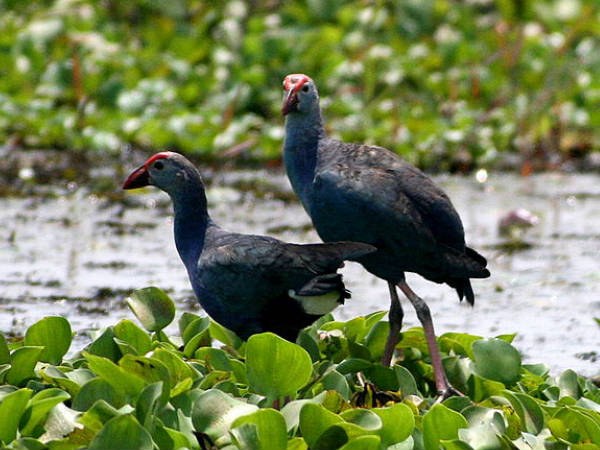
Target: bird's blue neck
303,131
191,223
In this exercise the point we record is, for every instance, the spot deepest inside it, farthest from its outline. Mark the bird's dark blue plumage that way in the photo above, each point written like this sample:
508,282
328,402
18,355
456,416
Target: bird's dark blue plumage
368,194
247,283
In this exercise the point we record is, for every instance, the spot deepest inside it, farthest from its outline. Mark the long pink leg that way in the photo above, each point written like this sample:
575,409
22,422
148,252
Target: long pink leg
443,386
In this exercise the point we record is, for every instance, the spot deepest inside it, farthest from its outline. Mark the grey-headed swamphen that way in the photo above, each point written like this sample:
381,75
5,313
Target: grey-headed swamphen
247,283
368,194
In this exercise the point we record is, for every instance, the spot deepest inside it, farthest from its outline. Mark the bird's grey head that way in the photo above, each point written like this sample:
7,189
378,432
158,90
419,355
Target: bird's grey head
168,171
300,94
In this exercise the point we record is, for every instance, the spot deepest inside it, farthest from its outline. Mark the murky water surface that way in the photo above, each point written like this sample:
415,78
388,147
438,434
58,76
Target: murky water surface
78,255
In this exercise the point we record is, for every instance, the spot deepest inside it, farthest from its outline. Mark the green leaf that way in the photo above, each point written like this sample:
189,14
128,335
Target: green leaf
138,339
441,423
222,334
497,360
314,420
147,403
38,410
94,390
270,429
568,384
23,361
398,422
368,442
105,345
4,351
353,365
54,333
214,411
482,437
178,369
124,383
574,426
530,413
276,367
122,432
153,308
12,407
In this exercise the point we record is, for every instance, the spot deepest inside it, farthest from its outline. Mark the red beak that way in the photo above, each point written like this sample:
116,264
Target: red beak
137,179
291,100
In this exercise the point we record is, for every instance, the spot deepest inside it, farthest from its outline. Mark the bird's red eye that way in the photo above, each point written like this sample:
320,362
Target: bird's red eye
305,88
158,165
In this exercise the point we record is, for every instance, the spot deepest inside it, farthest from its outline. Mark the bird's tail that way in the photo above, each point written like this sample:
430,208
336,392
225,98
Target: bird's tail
463,289
322,294
474,265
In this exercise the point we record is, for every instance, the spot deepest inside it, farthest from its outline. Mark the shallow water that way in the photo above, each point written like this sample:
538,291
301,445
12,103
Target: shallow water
78,255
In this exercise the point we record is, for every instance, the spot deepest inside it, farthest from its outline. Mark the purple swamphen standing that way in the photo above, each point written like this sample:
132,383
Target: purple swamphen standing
368,194
247,283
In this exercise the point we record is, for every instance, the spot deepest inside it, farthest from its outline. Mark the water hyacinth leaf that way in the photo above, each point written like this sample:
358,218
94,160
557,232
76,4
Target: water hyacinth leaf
100,413
147,403
222,334
414,337
497,360
125,383
368,442
455,444
130,333
441,423
148,369
528,410
376,338
480,388
398,422
364,418
482,436
105,345
339,434
214,358
407,384
184,320
153,307
353,365
296,443
213,412
477,415
62,382
383,377
276,367
460,343
12,407
4,351
178,369
122,432
336,382
94,390
270,429
308,343
568,384
314,420
54,333
38,409
169,439
574,426
23,361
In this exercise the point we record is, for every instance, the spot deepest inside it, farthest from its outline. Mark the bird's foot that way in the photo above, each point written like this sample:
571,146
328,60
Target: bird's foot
447,392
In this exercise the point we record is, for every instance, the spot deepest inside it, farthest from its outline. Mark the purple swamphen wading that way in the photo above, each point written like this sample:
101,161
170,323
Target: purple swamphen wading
247,283
364,193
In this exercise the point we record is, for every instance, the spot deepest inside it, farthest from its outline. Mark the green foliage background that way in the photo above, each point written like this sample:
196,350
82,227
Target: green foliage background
445,83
